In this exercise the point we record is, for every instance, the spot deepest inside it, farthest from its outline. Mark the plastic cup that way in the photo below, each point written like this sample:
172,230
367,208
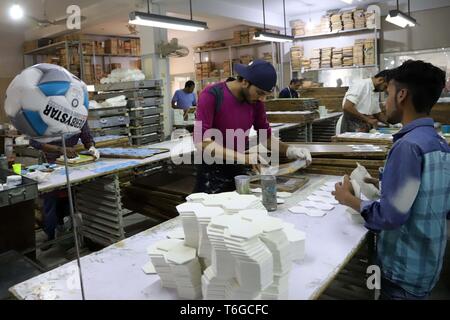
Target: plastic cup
17,168
242,184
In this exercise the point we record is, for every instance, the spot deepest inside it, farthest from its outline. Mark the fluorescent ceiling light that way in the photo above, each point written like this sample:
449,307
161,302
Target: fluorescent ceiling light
274,37
400,19
16,12
166,22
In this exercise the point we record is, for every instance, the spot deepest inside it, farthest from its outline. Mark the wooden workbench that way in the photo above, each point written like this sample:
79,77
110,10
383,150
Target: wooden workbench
361,137
115,272
105,167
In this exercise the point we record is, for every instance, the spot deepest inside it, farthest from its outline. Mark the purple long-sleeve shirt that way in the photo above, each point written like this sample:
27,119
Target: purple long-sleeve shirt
84,135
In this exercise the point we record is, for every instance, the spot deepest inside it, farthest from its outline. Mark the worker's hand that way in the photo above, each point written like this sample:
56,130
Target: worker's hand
71,152
255,159
373,181
344,191
373,122
94,152
295,153
186,115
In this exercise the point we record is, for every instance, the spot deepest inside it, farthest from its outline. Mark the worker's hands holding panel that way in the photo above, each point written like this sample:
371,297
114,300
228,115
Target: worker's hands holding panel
296,153
94,152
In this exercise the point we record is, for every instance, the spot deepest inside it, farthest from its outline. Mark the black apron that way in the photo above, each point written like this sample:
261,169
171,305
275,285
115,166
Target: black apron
218,178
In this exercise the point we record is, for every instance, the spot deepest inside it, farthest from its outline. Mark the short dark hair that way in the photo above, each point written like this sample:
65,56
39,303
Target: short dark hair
230,79
189,84
383,74
423,80
294,81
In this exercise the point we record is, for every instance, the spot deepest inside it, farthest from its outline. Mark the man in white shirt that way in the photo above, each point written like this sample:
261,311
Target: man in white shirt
361,104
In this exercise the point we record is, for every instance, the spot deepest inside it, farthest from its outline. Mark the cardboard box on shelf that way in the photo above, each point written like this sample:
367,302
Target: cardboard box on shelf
316,53
236,37
246,59
30,45
111,46
336,22
358,53
315,63
359,18
370,20
244,37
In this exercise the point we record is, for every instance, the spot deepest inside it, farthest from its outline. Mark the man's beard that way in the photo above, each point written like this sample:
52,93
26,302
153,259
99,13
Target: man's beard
246,95
394,117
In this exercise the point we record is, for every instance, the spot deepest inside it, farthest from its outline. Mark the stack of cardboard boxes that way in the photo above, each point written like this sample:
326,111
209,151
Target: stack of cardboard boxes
369,51
336,22
227,72
347,20
203,70
129,47
246,59
325,57
358,53
315,59
337,58
251,33
297,55
347,56
359,18
267,56
370,20
325,24
298,28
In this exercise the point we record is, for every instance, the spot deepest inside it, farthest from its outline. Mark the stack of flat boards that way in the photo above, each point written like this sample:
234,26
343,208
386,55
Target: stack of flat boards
340,159
144,101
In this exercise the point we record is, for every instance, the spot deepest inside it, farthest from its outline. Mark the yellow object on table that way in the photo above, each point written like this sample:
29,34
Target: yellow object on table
17,168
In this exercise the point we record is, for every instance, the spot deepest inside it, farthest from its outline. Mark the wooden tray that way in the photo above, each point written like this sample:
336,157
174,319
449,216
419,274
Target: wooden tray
289,183
84,159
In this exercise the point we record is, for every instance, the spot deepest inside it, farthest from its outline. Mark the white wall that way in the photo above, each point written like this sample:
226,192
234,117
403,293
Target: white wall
11,61
431,32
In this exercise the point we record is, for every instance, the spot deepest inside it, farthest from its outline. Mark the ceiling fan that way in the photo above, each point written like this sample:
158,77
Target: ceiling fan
45,22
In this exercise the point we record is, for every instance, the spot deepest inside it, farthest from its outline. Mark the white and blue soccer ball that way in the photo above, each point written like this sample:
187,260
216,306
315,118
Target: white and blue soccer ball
46,100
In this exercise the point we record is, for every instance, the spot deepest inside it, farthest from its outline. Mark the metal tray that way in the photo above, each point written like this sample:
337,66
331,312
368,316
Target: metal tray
28,190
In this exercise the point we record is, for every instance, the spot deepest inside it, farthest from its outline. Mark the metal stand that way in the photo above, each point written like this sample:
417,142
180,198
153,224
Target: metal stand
72,214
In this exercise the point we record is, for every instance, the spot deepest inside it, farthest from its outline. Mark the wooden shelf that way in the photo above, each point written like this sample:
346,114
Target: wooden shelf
51,48
111,55
334,34
260,43
338,68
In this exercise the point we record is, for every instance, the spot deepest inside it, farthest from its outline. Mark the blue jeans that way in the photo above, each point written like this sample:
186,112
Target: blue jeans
392,291
55,209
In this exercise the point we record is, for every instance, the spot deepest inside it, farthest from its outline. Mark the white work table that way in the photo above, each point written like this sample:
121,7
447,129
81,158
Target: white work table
103,167
116,272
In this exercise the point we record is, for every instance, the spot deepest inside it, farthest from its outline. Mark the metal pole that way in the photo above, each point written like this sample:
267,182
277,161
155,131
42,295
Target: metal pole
284,14
264,15
190,7
72,214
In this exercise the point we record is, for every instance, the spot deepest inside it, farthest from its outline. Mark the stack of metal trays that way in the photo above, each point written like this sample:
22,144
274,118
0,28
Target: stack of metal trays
144,101
109,121
145,139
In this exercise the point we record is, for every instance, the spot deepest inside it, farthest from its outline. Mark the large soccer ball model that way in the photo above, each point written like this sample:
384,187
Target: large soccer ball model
46,100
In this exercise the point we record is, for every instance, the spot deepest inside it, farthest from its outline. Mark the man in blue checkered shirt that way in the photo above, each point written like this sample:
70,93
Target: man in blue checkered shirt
415,196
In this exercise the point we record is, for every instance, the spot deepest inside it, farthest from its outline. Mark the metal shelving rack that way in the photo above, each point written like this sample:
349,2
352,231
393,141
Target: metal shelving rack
375,31
276,61
78,44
